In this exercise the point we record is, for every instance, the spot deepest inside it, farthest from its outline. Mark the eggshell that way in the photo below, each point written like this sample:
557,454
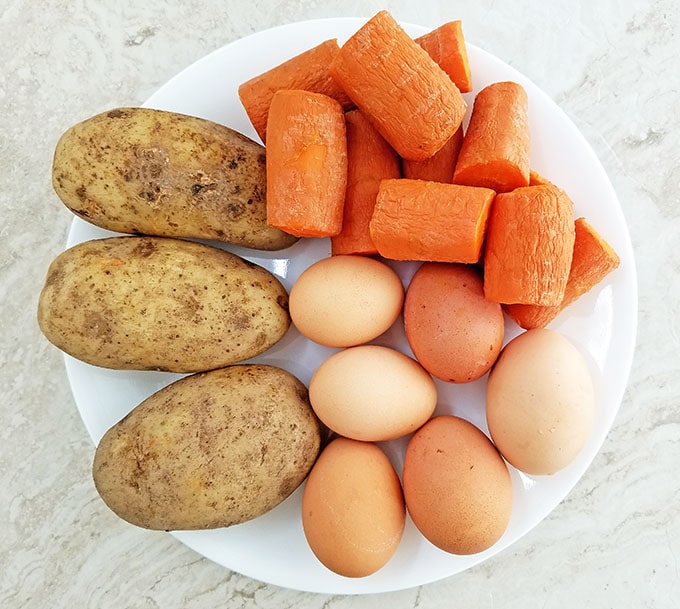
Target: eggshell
372,393
540,403
456,485
353,512
344,301
454,331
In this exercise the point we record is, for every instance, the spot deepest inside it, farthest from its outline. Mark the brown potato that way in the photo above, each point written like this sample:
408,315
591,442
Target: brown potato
210,450
138,170
154,303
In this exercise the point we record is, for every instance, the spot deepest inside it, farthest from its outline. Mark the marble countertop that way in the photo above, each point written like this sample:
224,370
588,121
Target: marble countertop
611,65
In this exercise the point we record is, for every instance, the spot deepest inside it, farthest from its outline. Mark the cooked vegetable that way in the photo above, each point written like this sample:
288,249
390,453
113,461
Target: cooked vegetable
138,170
495,151
592,261
308,71
418,220
529,246
369,159
151,303
439,167
210,450
406,95
446,45
306,163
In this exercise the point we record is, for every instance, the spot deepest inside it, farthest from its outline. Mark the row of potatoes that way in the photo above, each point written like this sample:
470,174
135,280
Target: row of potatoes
231,440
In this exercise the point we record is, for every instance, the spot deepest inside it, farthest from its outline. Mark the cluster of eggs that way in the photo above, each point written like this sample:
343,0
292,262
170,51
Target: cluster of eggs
455,482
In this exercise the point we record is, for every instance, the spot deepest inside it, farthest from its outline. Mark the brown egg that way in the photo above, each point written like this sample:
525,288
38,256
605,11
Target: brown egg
353,511
372,393
454,331
540,403
344,301
456,485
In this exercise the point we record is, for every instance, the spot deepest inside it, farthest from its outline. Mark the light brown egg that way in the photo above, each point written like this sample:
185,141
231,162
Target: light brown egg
372,393
344,301
456,485
353,511
540,402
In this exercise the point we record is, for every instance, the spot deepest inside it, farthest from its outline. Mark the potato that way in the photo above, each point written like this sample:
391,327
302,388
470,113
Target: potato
138,170
210,450
155,303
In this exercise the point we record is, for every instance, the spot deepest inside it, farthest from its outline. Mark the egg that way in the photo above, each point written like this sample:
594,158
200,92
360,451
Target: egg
372,393
454,331
353,512
345,300
540,402
457,487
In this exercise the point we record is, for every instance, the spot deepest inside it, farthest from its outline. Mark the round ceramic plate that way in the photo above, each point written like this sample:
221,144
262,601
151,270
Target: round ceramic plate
602,324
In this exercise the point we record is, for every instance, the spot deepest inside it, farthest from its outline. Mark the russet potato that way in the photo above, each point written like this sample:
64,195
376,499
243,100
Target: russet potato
155,303
140,170
210,450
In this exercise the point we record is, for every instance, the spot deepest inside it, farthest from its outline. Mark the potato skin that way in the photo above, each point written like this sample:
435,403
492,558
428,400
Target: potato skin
155,303
210,450
153,172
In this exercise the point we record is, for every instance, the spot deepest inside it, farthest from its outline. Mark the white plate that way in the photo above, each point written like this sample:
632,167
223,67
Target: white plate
602,324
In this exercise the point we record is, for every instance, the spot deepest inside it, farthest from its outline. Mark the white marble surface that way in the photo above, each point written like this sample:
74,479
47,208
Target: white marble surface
611,65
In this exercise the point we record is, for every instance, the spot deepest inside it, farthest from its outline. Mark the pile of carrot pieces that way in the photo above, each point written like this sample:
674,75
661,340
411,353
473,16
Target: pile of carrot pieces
365,145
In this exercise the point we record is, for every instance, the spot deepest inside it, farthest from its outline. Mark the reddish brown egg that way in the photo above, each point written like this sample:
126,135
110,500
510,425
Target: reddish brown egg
454,331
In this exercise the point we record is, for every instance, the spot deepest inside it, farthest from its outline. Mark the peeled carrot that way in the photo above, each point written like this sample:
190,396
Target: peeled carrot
446,45
370,159
495,151
410,100
419,220
308,71
529,246
592,261
439,167
306,163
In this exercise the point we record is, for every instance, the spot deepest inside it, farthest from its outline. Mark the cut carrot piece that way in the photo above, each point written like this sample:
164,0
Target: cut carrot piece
306,164
419,220
529,246
439,167
307,71
446,45
536,179
593,260
410,100
495,151
370,159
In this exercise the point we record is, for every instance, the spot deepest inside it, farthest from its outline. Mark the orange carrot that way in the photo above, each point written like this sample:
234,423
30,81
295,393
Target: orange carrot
308,71
439,167
369,159
536,179
410,100
419,220
446,45
495,151
529,246
593,260
306,163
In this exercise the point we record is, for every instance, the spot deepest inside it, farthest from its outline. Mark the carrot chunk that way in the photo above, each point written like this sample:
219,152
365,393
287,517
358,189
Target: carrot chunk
370,159
495,151
306,163
307,71
446,45
439,167
419,220
592,261
529,246
411,101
